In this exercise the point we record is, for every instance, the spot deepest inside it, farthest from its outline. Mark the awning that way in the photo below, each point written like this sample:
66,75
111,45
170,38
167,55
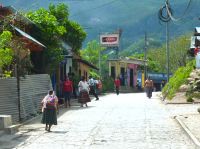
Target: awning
27,36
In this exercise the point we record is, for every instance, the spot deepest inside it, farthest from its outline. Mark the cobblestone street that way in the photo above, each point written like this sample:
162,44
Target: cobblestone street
127,121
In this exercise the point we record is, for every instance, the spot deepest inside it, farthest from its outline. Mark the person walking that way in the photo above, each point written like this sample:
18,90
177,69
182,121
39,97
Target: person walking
138,85
67,89
149,87
49,108
92,86
83,88
117,85
99,86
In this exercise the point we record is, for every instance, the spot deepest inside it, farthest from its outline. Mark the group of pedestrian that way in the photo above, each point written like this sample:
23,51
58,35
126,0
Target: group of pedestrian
148,86
50,101
92,87
86,88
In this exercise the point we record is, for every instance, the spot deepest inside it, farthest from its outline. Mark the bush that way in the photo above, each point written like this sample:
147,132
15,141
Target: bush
190,99
178,78
108,84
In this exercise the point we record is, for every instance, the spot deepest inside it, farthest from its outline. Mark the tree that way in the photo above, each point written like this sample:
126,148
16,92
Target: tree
55,25
178,54
6,53
51,32
60,11
75,34
13,51
91,54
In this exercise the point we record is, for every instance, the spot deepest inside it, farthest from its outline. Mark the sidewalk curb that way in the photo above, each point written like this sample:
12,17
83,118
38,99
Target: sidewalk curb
180,102
176,103
187,131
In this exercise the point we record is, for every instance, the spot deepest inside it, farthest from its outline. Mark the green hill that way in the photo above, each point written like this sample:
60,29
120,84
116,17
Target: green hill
134,17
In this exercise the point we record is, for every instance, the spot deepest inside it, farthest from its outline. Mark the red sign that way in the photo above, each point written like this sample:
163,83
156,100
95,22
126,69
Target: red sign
109,40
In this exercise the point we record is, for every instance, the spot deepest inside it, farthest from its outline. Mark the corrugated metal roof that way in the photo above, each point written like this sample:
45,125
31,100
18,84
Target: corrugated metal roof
194,40
130,61
27,36
87,63
192,43
197,29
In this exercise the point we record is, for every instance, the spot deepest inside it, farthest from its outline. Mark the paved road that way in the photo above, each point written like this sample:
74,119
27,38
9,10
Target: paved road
127,121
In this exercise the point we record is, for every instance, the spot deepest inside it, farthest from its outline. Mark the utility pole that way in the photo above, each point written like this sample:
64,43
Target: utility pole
167,44
99,54
164,16
118,47
100,61
167,49
145,56
18,84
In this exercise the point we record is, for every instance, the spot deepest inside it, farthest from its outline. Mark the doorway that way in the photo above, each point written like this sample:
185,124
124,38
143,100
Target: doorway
122,73
113,72
131,77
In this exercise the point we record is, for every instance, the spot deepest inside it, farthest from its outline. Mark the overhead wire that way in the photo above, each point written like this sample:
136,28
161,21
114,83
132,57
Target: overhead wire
182,16
100,6
161,16
169,12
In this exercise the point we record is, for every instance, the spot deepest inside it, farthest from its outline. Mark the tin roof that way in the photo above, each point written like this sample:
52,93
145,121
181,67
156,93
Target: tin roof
130,61
27,36
195,41
197,31
87,63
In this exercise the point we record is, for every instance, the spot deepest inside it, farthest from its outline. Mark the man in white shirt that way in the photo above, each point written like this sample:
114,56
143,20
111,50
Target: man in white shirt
92,85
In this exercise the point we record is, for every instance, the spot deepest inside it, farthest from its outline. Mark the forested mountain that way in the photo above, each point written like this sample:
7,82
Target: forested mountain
134,17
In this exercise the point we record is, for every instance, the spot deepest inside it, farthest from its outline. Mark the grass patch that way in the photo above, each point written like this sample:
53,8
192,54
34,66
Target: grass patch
178,78
190,99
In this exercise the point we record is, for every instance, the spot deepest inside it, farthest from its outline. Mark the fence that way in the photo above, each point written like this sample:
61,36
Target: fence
32,89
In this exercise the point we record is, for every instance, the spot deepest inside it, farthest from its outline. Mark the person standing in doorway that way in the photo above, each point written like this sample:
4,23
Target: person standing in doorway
117,85
92,86
49,108
149,87
67,89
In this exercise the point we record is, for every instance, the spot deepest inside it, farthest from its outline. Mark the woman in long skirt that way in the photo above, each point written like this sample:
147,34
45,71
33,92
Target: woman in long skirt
84,92
49,108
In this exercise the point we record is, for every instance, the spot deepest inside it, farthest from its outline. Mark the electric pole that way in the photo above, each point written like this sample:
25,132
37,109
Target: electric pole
167,42
145,56
164,16
167,49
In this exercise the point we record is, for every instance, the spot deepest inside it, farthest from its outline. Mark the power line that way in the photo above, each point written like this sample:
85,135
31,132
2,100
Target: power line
169,12
183,15
103,5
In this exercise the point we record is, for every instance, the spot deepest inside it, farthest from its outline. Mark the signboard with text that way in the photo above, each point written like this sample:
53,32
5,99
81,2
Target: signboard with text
109,40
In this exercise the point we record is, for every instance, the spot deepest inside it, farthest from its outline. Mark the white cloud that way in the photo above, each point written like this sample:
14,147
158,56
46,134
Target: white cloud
95,21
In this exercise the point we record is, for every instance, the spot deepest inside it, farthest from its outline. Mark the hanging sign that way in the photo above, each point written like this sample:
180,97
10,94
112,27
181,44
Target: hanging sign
109,40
